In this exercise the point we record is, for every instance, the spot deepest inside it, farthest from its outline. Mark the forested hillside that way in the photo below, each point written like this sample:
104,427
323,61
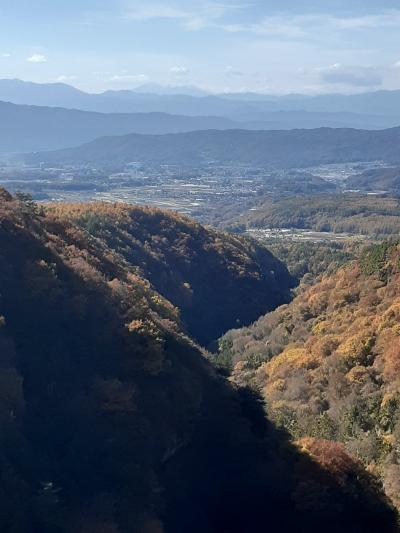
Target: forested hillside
383,179
112,420
282,149
328,363
308,261
216,280
352,213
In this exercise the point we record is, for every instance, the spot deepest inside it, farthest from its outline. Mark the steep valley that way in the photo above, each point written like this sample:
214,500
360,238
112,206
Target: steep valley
111,417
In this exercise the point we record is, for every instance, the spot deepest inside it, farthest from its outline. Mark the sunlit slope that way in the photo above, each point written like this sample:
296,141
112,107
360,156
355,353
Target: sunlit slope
328,363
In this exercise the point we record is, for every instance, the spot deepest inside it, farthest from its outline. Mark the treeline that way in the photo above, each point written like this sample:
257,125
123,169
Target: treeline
381,179
345,213
308,261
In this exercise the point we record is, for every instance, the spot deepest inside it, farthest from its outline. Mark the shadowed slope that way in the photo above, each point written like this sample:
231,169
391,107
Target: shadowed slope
218,281
112,421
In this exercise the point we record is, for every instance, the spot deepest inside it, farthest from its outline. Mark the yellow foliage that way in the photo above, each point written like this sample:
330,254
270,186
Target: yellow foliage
277,386
318,302
358,374
396,328
393,310
355,347
292,358
324,345
319,327
389,439
391,318
387,398
157,299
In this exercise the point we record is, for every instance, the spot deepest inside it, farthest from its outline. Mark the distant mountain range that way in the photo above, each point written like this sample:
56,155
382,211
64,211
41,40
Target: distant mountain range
32,128
44,117
284,149
26,128
370,110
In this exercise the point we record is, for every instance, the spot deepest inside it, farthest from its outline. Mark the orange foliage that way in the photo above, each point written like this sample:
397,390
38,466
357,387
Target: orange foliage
331,357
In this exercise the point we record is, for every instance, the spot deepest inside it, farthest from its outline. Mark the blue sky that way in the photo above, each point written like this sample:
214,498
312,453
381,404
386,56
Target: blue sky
272,46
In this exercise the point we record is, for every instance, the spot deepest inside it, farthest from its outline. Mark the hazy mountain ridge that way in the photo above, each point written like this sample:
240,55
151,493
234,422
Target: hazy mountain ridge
33,128
377,102
370,110
297,148
36,128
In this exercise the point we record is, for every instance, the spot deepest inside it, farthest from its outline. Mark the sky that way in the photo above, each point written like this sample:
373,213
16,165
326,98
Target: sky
269,46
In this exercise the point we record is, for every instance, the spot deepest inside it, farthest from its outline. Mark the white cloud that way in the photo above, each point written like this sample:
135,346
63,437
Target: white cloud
206,14
235,28
154,12
180,71
347,78
64,78
301,26
276,26
202,16
353,76
330,68
137,78
37,58
6,55
232,72
386,19
196,23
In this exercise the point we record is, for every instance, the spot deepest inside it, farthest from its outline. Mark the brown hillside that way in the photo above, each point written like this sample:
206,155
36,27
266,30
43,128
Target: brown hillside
218,281
328,364
112,421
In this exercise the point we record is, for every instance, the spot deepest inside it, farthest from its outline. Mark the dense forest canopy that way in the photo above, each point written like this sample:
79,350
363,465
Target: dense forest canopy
112,420
308,261
327,364
374,215
216,280
386,179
